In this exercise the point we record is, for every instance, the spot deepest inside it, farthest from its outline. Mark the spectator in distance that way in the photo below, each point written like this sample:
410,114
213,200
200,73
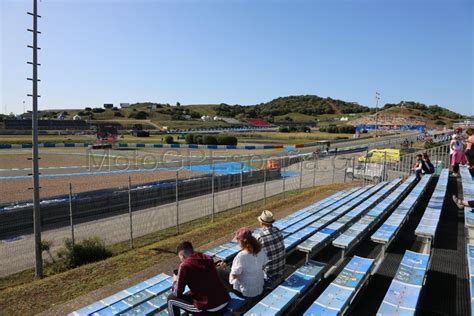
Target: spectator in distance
429,165
271,240
419,167
457,157
207,295
469,152
246,275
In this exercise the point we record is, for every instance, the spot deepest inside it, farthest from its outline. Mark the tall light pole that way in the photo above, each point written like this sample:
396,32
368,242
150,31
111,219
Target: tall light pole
35,158
377,98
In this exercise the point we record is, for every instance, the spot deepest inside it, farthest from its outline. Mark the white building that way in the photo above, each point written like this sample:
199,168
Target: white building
124,105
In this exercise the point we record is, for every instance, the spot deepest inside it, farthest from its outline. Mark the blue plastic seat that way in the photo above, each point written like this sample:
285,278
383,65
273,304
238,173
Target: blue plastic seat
404,291
336,297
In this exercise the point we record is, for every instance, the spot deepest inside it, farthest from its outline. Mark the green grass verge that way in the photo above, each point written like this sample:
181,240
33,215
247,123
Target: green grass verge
21,294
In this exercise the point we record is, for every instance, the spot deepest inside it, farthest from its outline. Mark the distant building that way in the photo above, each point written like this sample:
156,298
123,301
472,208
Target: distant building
77,117
108,105
152,106
124,105
61,117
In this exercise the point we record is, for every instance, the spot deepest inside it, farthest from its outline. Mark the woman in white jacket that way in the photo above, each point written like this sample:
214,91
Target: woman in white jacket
246,275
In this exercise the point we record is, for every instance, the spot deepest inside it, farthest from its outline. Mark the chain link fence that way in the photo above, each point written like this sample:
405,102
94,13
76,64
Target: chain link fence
187,190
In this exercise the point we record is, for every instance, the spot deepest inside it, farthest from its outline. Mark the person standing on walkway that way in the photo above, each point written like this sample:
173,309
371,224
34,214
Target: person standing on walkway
272,243
458,156
469,152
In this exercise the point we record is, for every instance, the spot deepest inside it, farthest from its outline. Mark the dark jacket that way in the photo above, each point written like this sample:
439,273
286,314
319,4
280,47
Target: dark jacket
199,273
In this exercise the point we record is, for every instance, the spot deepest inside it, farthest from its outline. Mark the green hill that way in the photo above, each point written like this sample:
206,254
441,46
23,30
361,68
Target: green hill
302,108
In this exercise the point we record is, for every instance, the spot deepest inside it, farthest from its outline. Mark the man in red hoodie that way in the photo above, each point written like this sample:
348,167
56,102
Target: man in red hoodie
207,294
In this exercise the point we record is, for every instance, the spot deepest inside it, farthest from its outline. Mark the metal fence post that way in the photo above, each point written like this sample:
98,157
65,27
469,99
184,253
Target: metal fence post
365,165
70,215
301,172
384,166
213,193
353,168
241,187
284,178
314,170
130,210
334,166
176,191
264,187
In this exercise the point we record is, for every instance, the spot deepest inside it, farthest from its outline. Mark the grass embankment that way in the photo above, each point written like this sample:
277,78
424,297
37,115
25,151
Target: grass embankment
288,138
26,139
21,294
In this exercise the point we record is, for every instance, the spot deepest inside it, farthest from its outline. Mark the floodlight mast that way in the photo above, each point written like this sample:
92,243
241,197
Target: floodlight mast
35,158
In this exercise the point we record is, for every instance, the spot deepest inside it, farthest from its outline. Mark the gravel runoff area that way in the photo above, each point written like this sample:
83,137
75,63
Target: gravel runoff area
19,189
58,157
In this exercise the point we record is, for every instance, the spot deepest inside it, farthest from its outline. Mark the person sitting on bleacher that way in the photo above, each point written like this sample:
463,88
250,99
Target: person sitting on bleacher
428,163
420,167
207,294
460,203
272,243
246,275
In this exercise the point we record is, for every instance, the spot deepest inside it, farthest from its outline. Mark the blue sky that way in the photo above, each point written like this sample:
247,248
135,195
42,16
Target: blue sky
239,51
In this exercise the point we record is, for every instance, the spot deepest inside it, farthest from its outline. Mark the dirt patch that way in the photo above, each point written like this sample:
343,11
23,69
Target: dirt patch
20,160
18,189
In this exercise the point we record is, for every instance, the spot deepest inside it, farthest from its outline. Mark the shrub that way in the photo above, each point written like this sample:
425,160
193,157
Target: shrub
189,139
283,129
209,140
89,250
88,109
169,139
198,139
224,139
118,114
333,129
98,110
304,129
140,115
439,122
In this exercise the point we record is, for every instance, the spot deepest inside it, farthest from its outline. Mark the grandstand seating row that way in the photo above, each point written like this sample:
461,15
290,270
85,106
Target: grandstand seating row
278,301
470,263
258,122
389,229
468,194
404,291
228,250
369,220
340,209
338,295
429,222
321,237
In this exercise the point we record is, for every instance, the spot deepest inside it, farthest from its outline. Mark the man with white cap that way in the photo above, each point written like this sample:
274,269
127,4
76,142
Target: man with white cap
271,239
